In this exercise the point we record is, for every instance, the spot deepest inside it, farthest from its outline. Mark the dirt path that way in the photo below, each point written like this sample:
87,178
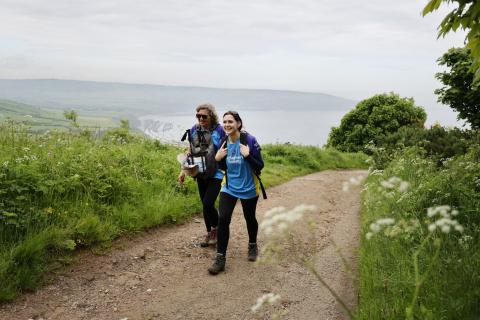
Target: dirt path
163,274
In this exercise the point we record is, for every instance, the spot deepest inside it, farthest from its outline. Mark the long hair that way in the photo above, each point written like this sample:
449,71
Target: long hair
235,116
211,112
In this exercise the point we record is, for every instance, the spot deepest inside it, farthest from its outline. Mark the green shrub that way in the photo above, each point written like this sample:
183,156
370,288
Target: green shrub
438,143
375,117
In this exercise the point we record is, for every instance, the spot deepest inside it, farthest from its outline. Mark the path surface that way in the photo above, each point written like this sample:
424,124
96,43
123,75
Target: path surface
162,274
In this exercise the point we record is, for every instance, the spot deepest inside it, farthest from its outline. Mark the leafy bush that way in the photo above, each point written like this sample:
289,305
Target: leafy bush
438,143
375,117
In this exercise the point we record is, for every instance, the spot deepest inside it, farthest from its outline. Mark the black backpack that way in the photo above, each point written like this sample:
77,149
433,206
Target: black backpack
202,147
223,162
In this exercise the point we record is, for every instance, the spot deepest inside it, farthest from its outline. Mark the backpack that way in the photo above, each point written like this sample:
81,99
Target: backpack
223,162
202,151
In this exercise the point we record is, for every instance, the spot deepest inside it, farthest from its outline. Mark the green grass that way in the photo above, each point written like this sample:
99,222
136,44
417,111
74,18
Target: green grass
451,289
284,162
65,190
41,119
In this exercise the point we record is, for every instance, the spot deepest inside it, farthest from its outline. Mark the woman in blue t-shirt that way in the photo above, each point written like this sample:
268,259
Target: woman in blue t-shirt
239,155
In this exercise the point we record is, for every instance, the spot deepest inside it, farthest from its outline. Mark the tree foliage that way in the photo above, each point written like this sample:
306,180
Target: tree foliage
466,16
71,115
124,124
459,91
373,118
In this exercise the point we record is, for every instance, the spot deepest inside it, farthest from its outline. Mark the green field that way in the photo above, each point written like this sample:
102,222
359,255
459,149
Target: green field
42,119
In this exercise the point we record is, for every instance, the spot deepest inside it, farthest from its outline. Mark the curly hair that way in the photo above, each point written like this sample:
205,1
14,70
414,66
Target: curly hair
211,112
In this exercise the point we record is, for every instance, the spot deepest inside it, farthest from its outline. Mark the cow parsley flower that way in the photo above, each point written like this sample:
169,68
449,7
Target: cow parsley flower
445,223
377,226
279,219
269,298
353,181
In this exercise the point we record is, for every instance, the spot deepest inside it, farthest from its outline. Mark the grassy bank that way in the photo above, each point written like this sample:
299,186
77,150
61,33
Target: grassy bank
60,191
425,263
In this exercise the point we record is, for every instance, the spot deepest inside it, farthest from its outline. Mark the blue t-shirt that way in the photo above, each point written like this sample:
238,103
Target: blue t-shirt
217,136
241,183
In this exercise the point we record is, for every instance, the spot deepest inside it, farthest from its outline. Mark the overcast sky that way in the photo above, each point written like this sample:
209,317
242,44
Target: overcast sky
348,48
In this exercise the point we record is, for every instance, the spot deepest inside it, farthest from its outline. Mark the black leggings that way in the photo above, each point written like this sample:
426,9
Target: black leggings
208,190
226,206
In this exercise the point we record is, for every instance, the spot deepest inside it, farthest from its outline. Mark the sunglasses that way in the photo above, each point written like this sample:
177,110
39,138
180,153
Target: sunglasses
202,116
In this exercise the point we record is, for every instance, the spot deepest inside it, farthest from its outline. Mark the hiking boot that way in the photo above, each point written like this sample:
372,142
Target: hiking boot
213,237
205,241
219,264
252,251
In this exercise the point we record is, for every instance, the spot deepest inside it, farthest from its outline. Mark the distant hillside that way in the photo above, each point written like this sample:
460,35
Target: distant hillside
133,100
41,119
31,115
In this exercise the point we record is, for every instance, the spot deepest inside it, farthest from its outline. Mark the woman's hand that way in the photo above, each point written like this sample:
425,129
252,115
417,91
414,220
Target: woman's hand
181,177
221,153
244,150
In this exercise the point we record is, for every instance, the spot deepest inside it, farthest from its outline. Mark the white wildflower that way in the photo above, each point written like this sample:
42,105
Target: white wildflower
395,183
386,184
274,211
5,164
279,219
353,181
403,186
369,235
445,222
465,239
376,172
385,221
269,298
374,227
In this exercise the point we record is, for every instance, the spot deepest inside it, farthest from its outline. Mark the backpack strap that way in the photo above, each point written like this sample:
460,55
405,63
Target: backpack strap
187,134
244,141
223,163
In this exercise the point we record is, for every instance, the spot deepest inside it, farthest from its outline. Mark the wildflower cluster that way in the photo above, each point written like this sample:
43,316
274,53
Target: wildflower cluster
405,228
393,184
353,181
269,298
279,219
444,223
377,226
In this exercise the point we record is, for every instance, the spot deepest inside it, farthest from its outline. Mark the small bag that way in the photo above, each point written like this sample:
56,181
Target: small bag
190,169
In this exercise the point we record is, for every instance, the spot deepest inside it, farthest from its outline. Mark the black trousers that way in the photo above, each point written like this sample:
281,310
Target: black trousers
208,190
226,206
